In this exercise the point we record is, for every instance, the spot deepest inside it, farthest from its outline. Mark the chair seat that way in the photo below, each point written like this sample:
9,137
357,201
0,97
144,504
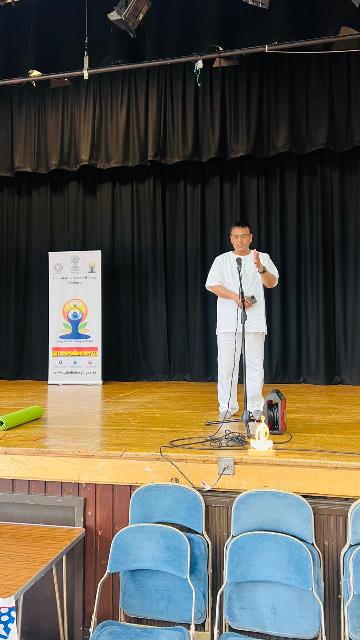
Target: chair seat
112,630
272,608
149,594
353,618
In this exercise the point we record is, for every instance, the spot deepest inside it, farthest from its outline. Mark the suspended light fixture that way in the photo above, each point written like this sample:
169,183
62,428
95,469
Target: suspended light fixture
264,4
128,15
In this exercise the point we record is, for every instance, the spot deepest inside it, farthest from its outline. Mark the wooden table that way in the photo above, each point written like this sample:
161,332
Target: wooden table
30,551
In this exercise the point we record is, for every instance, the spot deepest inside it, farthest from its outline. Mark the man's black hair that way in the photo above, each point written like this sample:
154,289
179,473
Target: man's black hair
241,224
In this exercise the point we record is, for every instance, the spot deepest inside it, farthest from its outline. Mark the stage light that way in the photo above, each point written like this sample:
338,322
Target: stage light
128,14
264,4
356,3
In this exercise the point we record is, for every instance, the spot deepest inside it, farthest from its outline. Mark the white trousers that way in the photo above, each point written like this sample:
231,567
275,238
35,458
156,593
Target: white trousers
227,361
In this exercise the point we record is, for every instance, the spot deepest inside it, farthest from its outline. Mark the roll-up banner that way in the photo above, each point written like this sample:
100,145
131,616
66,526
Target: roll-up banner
75,317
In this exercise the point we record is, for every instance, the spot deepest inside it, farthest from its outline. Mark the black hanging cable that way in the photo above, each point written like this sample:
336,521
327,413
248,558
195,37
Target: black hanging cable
86,53
214,442
246,413
206,487
277,448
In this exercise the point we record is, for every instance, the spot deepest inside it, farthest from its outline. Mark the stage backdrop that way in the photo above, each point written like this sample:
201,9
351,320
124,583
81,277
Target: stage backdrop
159,229
274,140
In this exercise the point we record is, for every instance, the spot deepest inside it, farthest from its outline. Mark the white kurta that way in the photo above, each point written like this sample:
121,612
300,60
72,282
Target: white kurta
224,272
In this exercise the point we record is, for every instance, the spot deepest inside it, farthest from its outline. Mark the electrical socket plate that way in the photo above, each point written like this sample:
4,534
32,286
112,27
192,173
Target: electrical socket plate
226,466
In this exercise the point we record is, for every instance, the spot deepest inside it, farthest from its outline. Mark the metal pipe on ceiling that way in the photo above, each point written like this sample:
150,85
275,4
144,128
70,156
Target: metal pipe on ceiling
231,53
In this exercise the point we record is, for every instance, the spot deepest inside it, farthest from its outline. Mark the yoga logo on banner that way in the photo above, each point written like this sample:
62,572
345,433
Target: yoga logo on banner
8,620
75,313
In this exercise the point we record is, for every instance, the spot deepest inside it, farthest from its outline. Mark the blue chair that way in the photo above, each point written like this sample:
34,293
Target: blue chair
350,576
281,512
269,588
176,504
164,553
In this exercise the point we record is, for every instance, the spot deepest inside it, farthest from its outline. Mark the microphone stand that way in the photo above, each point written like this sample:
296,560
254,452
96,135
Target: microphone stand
246,414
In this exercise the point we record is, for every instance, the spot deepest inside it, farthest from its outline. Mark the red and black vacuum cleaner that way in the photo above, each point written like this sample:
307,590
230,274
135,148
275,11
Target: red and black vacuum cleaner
275,411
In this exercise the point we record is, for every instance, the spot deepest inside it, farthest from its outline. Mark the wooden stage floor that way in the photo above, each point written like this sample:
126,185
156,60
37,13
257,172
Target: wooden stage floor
112,435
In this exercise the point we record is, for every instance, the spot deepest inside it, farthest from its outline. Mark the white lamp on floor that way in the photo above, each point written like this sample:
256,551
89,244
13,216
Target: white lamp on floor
261,441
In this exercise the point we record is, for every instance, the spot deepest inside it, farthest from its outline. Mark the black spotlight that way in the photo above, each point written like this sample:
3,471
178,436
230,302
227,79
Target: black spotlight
128,14
264,4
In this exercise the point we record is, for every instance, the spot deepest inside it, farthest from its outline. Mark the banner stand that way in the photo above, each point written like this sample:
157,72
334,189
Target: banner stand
75,317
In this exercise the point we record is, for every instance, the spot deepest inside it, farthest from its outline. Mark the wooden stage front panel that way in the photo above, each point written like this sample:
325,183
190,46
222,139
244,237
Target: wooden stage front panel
112,435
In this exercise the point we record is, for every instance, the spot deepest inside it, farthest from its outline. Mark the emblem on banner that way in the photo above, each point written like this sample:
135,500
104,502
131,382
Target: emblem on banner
74,313
75,264
58,267
92,267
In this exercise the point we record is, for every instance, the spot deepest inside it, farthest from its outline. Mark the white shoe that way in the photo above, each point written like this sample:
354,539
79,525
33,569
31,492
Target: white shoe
257,413
226,415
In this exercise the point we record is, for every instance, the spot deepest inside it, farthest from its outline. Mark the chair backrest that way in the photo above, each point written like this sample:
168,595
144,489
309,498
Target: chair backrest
269,510
353,533
157,556
150,546
269,586
269,557
168,503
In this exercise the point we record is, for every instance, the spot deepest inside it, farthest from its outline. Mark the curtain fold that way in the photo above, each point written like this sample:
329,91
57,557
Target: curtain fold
159,228
264,106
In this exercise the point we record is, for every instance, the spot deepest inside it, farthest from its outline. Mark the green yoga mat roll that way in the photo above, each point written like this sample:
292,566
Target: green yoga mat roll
14,419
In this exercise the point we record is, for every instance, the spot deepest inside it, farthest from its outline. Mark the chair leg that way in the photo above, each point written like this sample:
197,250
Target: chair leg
96,605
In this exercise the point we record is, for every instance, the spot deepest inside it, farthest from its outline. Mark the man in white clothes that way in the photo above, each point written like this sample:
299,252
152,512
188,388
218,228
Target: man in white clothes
258,271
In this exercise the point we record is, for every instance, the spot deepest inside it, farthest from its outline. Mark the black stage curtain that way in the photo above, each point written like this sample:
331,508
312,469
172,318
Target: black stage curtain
264,106
159,228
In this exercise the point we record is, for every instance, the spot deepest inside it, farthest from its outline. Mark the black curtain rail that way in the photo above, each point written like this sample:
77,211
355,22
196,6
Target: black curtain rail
193,58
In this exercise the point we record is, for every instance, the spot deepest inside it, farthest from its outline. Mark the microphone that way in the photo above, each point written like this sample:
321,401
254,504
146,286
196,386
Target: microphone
239,264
